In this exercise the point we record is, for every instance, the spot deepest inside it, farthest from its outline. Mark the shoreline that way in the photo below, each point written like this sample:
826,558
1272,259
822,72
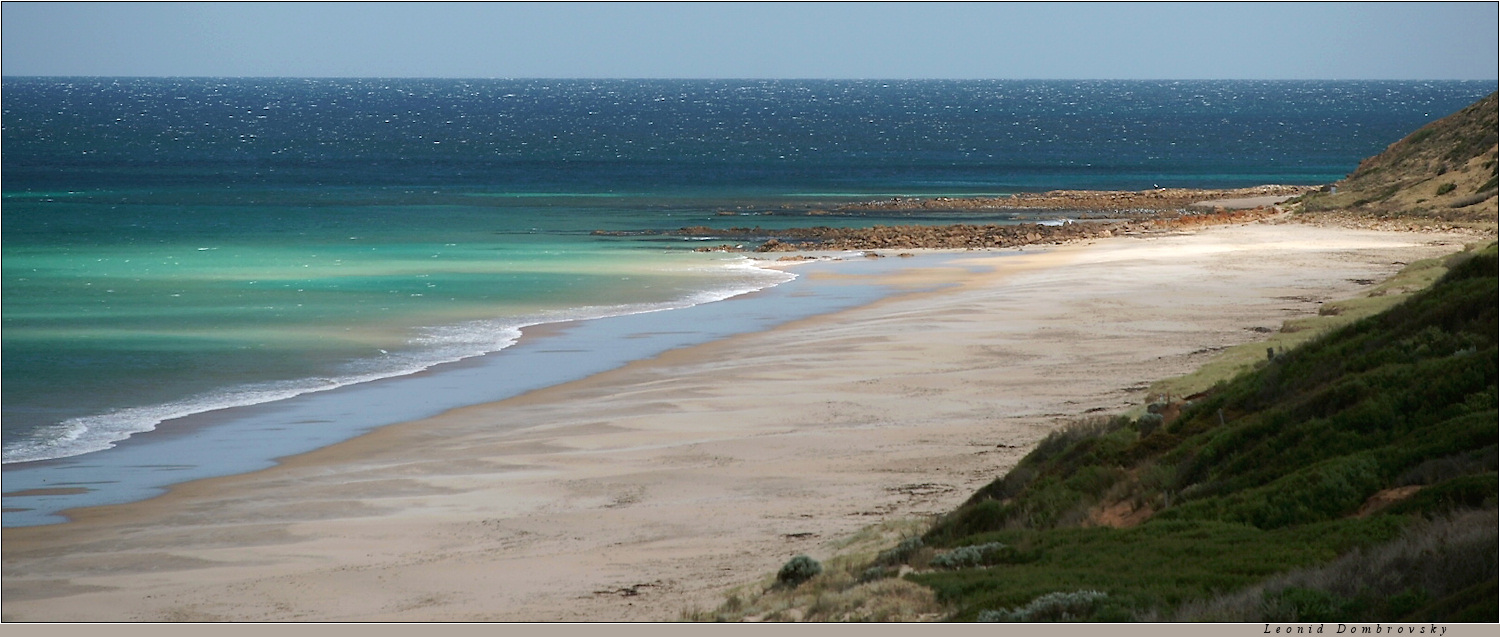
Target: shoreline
131,468
674,476
501,332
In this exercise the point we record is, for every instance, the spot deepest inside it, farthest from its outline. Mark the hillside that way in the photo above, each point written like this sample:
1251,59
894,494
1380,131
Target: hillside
1445,171
1350,479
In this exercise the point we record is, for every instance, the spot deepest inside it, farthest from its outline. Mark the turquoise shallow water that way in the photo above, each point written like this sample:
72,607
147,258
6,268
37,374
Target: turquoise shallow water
121,314
247,438
129,335
174,247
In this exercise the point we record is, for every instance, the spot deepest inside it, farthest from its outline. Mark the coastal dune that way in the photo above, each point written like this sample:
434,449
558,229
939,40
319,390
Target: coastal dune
652,489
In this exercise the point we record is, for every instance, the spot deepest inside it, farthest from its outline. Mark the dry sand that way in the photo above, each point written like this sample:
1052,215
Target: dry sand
706,468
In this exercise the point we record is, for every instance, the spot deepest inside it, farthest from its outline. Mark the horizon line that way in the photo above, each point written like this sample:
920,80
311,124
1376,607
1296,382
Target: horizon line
739,79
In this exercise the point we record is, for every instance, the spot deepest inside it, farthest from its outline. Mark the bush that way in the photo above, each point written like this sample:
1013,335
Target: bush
1147,424
967,556
1067,437
899,555
1447,188
1473,199
983,517
798,570
1057,606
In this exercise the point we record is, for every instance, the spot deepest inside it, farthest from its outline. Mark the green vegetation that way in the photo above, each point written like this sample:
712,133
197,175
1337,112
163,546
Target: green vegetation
798,570
972,555
1299,491
1454,157
1351,478
1416,276
842,591
1050,607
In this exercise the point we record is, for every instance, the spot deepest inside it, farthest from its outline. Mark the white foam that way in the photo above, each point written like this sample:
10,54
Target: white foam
433,346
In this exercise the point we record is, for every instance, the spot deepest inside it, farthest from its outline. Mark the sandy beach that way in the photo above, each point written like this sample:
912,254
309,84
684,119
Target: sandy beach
638,493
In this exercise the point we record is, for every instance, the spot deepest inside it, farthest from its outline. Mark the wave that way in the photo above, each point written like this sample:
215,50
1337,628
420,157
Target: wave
431,347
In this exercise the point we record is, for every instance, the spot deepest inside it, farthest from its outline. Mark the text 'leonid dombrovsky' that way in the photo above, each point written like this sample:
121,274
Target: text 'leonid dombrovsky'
1361,629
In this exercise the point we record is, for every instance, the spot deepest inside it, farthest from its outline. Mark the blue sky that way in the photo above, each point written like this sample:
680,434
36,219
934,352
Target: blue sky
1292,40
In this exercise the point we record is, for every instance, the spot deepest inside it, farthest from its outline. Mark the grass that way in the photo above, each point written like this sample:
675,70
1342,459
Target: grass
1415,276
1161,564
841,591
1262,497
837,594
1440,175
1351,478
1394,578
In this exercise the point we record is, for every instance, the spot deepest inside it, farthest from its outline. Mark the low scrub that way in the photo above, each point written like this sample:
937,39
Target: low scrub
798,570
972,556
1352,478
840,591
1444,569
1331,462
1050,607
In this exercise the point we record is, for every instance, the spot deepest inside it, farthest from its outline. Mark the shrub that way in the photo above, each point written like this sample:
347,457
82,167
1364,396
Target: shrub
983,517
1473,199
1447,188
1305,605
1463,492
967,556
1147,424
900,554
1061,440
1451,466
798,570
1057,606
1263,476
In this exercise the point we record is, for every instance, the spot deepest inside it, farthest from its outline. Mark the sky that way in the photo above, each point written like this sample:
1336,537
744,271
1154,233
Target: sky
837,40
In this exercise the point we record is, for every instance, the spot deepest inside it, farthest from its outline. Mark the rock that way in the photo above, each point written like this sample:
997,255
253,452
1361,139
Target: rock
770,245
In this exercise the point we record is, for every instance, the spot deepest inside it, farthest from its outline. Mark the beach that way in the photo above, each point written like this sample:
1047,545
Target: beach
642,492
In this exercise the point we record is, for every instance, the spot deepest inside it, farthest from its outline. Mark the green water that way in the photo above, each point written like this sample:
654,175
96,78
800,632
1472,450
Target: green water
117,331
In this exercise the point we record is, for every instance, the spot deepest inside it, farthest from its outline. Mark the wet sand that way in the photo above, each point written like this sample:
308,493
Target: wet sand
640,492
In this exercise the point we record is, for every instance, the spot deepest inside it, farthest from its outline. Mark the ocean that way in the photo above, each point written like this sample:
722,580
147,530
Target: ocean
189,255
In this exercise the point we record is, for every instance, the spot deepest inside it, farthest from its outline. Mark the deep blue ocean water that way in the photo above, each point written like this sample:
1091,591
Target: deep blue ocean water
174,246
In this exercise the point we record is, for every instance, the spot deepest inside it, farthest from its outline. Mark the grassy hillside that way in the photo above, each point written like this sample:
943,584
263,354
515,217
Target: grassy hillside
1444,172
1415,277
1354,447
1351,478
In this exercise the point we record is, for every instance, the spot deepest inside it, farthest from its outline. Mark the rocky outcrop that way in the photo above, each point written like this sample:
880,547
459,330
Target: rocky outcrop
975,237
958,236
1155,200
723,247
